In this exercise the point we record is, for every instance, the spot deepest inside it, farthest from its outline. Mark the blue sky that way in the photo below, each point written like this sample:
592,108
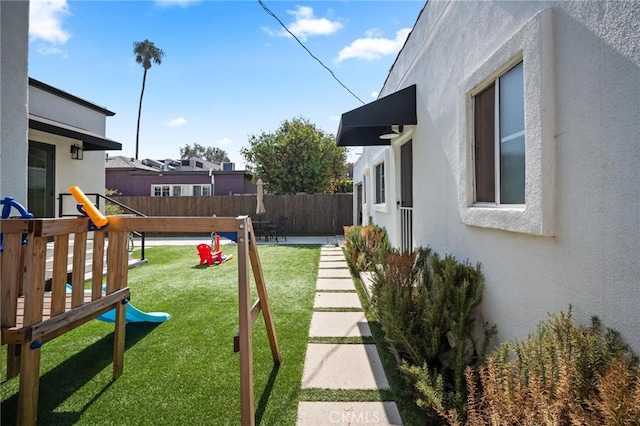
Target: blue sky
229,70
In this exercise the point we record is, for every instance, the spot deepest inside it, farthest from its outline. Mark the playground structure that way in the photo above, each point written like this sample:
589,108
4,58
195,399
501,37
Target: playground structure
30,316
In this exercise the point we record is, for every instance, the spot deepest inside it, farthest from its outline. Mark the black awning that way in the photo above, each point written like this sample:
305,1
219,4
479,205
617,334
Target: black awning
90,141
363,126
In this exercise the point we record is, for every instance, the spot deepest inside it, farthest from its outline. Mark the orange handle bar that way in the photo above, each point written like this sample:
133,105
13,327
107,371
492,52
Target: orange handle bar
94,214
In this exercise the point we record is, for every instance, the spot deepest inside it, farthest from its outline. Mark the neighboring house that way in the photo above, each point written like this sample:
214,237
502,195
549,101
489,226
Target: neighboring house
194,163
516,145
171,178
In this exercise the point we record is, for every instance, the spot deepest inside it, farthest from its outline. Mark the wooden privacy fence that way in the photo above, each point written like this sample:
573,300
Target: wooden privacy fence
307,214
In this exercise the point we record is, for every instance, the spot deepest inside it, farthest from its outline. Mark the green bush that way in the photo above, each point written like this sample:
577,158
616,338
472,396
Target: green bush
110,208
425,304
344,186
365,246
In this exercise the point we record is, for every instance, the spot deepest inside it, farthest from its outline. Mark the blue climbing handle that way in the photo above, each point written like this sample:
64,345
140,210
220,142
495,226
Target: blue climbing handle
8,203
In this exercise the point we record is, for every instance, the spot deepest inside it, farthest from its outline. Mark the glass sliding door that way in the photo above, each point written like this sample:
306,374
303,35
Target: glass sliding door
40,179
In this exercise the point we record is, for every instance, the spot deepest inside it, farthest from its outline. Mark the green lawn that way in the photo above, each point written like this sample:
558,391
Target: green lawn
183,371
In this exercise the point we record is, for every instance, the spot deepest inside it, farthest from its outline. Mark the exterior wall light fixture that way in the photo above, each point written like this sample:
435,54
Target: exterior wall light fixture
392,132
76,152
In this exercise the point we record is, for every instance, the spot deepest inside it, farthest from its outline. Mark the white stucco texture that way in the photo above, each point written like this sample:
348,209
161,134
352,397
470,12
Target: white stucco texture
14,43
576,241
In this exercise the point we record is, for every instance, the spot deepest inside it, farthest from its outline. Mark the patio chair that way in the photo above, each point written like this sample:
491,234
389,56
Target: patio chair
278,228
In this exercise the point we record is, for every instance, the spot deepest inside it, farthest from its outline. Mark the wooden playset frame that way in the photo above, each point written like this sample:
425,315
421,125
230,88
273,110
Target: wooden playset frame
31,316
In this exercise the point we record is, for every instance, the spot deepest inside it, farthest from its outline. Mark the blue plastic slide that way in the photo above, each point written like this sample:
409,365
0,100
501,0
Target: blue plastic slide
133,314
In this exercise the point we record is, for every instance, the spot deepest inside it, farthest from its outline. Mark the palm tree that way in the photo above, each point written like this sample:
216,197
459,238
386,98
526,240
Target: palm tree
145,52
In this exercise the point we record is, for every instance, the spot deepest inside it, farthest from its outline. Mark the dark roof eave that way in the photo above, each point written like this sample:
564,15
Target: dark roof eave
90,141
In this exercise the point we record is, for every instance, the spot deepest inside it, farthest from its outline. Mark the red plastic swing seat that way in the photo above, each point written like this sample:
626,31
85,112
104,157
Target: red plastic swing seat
207,256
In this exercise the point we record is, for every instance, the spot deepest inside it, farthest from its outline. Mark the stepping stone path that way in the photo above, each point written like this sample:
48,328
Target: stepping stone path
347,366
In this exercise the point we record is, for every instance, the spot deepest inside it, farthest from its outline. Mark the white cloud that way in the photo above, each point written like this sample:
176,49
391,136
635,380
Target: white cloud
373,33
51,50
179,3
270,32
45,21
180,121
225,141
374,46
375,95
335,118
306,25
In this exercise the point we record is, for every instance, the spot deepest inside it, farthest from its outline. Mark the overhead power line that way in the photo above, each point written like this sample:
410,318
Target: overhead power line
266,9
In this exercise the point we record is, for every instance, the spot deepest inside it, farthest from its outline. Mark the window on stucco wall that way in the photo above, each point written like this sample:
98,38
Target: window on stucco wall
506,107
380,187
364,189
499,140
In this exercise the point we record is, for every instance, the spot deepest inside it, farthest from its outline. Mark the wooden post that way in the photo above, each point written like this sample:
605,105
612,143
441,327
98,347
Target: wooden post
117,261
29,385
119,340
34,280
11,278
59,279
247,409
13,360
117,271
10,285
30,356
79,257
97,265
264,299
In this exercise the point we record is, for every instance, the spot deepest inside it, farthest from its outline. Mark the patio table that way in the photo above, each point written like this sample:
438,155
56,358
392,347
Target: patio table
261,226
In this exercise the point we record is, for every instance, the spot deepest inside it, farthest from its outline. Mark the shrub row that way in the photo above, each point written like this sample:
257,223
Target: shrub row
562,374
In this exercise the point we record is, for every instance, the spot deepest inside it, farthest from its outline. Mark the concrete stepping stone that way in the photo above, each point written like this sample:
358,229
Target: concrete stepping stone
331,248
337,300
331,253
335,284
348,413
334,273
332,259
333,265
339,324
341,366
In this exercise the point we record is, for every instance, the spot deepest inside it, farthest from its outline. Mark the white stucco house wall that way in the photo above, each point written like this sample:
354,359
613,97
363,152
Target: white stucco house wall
14,47
40,125
59,124
549,94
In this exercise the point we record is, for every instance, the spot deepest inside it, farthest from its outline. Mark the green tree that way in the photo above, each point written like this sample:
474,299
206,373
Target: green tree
213,154
146,52
298,157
